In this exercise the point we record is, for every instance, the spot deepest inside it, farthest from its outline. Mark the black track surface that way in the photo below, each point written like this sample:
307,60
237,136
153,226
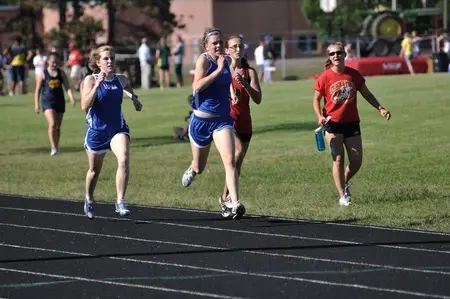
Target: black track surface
49,249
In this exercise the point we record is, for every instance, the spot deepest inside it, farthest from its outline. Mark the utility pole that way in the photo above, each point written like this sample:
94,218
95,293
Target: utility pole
445,14
394,4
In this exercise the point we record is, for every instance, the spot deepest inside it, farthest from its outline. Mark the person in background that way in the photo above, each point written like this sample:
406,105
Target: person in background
407,51
20,55
74,62
50,82
145,61
39,62
259,60
339,85
6,62
269,59
162,56
178,54
349,52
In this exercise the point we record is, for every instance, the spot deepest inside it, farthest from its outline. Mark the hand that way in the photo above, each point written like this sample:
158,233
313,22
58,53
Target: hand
72,102
234,100
220,63
100,78
321,120
240,79
37,109
386,114
137,104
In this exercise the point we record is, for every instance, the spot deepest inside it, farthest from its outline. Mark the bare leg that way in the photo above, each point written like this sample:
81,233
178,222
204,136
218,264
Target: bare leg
336,143
241,151
51,117
354,149
224,140
58,123
95,166
120,145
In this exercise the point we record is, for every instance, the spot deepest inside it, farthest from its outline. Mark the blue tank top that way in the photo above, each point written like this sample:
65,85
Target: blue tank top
106,113
52,90
214,98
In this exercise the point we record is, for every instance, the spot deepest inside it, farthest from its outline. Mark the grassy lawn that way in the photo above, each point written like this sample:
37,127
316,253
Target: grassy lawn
404,180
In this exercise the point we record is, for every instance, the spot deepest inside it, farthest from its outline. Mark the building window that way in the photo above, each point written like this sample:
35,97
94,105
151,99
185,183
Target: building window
9,3
307,43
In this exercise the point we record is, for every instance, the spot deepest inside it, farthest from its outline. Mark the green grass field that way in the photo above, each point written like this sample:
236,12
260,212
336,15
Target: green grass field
404,180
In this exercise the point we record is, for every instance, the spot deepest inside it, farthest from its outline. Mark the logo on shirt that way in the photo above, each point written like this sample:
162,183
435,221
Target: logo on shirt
54,83
343,92
110,87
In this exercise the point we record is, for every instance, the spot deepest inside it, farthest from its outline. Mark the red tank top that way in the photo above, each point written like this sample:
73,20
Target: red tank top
241,111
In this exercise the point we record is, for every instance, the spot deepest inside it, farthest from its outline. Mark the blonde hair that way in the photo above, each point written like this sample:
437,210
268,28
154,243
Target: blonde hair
328,61
96,55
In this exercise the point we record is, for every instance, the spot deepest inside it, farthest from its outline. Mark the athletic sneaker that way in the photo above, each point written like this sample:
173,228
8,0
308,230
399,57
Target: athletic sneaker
237,211
54,152
188,177
344,201
88,208
122,208
224,206
347,190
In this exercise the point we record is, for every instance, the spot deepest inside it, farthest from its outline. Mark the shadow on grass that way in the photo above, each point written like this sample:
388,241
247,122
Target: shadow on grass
155,141
44,150
288,127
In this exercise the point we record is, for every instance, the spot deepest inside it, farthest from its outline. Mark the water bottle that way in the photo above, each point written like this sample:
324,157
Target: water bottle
320,141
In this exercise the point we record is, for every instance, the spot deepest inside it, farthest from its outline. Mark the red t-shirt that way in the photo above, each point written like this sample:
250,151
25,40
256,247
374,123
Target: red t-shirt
75,57
241,111
339,91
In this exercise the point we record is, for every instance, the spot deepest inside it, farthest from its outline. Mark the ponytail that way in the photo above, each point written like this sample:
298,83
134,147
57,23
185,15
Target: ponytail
327,64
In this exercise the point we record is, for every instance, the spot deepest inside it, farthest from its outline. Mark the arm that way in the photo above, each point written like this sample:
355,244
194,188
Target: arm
201,67
128,90
253,89
68,88
37,91
90,87
365,92
316,105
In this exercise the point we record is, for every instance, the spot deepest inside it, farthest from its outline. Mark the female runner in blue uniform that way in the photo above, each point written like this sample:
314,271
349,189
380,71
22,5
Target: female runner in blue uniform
50,83
211,119
106,127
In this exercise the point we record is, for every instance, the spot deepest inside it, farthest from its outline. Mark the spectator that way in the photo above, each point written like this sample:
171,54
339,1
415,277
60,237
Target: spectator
350,53
20,55
178,53
407,51
162,56
6,62
74,62
269,59
259,60
39,61
145,60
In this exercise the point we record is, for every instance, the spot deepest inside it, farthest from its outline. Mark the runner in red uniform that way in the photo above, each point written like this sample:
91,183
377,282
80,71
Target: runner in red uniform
339,85
245,86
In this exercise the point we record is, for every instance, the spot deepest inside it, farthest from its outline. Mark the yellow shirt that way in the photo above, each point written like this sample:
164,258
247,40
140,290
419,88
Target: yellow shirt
407,46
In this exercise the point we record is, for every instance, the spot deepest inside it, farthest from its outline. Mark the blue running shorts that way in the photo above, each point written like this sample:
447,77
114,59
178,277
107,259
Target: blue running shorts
98,142
201,129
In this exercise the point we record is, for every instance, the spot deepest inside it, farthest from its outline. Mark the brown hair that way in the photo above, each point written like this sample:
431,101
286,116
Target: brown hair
208,32
328,61
244,60
95,57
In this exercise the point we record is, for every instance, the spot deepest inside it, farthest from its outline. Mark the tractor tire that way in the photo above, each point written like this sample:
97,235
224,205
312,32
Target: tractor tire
396,47
387,26
365,26
379,47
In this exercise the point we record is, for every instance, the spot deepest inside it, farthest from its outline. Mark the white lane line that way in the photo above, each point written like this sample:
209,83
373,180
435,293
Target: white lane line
244,273
306,258
252,216
202,294
235,231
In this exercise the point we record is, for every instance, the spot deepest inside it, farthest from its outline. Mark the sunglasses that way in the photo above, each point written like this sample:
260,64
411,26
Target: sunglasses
337,52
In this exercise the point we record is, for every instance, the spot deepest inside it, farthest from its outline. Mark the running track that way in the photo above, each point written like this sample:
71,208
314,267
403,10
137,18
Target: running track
49,249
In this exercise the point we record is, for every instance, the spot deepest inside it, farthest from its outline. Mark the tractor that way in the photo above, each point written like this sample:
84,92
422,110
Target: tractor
382,29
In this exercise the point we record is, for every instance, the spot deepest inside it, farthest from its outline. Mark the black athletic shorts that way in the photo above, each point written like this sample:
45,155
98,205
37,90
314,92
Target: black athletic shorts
348,129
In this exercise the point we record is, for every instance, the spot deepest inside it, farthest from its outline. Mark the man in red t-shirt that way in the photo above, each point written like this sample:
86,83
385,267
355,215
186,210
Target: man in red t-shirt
74,62
339,85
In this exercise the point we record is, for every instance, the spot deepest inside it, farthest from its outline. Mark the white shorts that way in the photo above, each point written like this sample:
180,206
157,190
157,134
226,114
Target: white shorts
75,72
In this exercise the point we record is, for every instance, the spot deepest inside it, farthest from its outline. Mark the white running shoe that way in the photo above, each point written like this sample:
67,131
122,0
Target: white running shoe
88,208
347,190
225,206
237,211
122,209
344,201
54,152
188,177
